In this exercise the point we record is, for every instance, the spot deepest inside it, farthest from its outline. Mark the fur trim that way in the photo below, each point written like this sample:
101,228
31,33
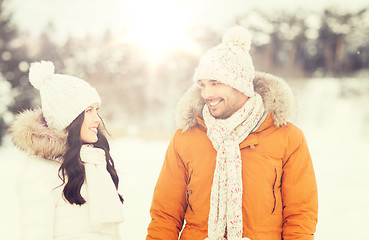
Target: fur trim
188,108
31,135
277,97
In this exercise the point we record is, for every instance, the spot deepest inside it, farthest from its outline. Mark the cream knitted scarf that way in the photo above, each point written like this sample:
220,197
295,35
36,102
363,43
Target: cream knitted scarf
225,216
103,200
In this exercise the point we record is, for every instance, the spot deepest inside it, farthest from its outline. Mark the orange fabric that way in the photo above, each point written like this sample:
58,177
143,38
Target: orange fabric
279,186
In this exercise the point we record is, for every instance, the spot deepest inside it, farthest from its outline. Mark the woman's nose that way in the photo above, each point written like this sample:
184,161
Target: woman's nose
97,118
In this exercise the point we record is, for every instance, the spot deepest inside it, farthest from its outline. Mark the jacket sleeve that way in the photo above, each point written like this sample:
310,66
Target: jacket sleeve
299,190
36,199
169,201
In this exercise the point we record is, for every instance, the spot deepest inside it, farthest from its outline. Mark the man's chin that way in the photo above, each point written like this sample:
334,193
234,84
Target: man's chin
217,115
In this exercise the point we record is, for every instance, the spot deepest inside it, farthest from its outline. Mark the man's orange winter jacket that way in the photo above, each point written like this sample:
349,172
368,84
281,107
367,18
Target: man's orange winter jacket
279,186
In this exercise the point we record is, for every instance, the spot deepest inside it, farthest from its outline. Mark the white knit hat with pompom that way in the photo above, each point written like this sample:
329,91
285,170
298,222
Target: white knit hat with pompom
229,62
63,97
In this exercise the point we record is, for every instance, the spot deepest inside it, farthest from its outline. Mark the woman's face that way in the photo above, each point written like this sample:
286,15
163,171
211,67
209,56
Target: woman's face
90,124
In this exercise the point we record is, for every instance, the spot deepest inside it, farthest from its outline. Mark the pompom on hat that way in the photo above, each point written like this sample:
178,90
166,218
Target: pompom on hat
229,62
63,97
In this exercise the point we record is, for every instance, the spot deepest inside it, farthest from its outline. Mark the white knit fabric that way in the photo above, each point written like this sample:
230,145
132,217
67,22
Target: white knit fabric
45,214
103,200
229,62
225,216
63,97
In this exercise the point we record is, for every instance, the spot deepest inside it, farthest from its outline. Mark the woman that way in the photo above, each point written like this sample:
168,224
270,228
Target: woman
68,189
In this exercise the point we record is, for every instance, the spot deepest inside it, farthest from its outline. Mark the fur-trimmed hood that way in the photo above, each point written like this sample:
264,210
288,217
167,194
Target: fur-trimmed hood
277,97
31,135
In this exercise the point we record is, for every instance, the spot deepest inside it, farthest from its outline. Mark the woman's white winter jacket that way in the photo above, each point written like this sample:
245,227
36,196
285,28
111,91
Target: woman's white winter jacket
45,214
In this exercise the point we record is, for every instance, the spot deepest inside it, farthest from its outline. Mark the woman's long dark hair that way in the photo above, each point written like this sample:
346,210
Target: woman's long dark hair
72,166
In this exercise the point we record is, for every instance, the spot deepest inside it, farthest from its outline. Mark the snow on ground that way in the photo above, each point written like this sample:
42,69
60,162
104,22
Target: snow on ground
338,139
138,163
336,128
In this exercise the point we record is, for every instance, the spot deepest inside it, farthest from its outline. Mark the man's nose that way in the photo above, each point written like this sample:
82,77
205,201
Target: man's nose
207,92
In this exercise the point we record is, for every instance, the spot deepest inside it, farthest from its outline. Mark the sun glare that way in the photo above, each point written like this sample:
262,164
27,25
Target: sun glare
158,26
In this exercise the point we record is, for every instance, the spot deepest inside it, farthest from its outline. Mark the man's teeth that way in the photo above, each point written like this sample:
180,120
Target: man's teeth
214,103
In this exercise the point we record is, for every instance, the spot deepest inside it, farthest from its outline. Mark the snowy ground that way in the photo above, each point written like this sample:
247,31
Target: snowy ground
338,138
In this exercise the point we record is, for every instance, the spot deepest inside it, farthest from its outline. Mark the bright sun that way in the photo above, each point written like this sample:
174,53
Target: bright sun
158,26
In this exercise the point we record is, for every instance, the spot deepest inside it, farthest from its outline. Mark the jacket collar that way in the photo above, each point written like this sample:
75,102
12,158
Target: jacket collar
30,134
277,97
252,139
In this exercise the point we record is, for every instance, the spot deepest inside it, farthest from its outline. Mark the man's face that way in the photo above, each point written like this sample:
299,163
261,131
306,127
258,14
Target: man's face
221,99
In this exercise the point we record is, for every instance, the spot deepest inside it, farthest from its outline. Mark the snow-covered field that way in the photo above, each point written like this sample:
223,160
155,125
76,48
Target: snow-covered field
337,131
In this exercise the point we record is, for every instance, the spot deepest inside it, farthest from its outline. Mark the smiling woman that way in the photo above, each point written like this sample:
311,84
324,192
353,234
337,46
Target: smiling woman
69,164
158,26
90,124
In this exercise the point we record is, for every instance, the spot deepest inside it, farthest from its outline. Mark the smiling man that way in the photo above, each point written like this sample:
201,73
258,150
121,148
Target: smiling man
235,168
221,99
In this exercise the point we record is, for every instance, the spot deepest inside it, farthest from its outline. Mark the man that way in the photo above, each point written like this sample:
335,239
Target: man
235,168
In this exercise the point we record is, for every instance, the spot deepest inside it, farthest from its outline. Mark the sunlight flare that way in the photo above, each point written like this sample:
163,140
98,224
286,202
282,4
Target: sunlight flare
158,26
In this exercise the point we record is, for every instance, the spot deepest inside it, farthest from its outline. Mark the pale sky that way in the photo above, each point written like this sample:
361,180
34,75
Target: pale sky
158,24
78,16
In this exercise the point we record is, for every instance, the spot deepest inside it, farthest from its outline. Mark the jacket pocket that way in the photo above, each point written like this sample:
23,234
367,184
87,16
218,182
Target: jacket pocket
189,191
276,190
274,193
